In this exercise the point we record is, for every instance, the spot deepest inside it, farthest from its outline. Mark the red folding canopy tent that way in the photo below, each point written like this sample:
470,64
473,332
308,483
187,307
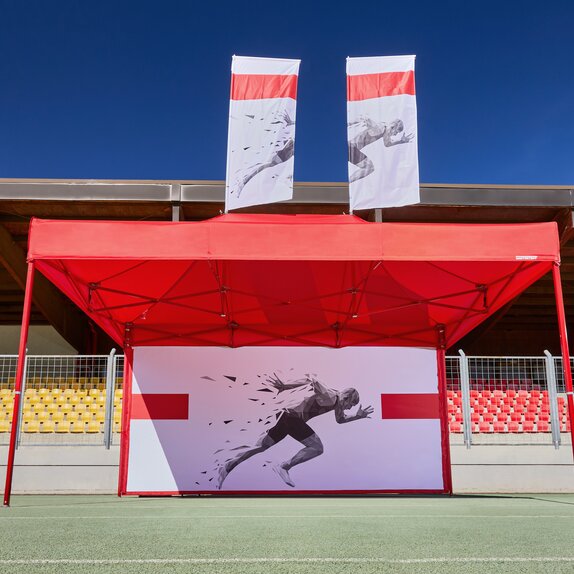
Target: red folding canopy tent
333,281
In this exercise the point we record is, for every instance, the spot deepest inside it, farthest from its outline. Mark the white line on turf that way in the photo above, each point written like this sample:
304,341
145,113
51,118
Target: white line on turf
440,560
294,516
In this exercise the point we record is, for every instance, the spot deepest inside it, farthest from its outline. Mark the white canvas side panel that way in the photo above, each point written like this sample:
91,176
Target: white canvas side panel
232,404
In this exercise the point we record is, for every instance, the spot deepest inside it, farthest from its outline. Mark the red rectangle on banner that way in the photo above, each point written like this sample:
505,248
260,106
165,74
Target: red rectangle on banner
263,86
410,406
368,86
160,406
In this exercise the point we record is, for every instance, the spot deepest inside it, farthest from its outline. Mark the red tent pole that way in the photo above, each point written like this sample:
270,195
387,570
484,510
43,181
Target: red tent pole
564,346
18,381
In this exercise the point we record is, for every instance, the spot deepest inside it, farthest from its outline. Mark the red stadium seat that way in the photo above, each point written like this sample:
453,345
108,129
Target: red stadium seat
498,427
511,393
458,417
535,394
519,408
544,416
449,394
532,407
474,417
486,393
488,417
484,427
529,416
515,417
513,427
455,427
473,394
505,408
528,426
542,426
491,408
522,394
502,417
497,394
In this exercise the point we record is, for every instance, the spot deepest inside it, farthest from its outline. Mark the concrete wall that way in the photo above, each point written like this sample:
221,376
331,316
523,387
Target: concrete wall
483,468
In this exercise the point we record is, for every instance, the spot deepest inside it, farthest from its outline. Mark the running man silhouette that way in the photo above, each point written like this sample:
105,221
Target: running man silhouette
284,147
293,422
372,132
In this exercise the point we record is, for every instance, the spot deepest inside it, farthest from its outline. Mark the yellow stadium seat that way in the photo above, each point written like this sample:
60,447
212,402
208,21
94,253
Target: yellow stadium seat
117,427
101,416
93,427
52,408
32,427
88,400
101,400
74,400
77,427
80,408
56,391
66,408
69,392
30,392
85,416
72,416
94,393
60,399
43,416
28,416
4,391
94,408
57,417
119,393
81,393
63,426
47,427
5,426
43,392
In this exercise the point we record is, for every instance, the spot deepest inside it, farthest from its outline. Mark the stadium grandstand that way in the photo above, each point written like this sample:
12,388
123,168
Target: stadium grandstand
500,389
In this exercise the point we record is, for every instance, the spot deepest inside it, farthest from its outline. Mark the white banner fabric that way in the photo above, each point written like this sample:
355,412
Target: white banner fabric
240,417
382,132
261,138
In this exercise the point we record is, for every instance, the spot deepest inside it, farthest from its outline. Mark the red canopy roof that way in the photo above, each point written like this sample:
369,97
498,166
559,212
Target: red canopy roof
290,280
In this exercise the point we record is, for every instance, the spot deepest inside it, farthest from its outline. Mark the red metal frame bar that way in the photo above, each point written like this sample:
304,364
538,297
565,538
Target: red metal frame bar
126,418
18,380
564,346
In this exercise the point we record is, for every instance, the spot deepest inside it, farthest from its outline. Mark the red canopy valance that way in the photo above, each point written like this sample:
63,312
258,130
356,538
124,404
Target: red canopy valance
290,280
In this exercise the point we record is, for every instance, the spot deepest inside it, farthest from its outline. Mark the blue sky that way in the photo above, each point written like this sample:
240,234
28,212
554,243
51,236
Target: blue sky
139,90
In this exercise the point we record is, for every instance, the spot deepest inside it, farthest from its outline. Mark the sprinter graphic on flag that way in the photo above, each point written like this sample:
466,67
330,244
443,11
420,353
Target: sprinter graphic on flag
261,142
381,122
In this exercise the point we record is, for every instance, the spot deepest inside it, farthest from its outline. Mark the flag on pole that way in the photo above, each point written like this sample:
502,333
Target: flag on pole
261,139
382,132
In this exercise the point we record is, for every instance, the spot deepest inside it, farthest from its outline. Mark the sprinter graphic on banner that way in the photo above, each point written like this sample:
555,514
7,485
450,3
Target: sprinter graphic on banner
261,140
382,125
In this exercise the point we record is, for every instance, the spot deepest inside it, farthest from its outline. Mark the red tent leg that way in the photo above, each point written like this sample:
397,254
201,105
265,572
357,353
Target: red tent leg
18,381
564,346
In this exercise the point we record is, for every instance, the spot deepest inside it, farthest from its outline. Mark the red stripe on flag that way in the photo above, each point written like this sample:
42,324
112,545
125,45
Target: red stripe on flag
368,86
160,406
263,86
410,406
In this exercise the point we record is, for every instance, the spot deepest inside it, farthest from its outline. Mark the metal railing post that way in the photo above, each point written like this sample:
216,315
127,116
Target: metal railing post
110,389
21,409
552,399
465,390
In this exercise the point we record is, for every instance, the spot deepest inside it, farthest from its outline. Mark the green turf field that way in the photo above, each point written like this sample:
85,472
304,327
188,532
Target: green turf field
515,534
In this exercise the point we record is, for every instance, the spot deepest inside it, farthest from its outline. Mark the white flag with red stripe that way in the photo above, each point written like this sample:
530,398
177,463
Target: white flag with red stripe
261,140
382,132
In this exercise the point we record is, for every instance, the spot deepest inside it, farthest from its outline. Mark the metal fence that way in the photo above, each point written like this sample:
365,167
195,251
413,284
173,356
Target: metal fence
507,400
66,400
77,399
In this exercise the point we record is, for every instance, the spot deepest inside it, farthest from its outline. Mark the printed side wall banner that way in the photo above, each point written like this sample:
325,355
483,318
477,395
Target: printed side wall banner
382,132
261,139
281,419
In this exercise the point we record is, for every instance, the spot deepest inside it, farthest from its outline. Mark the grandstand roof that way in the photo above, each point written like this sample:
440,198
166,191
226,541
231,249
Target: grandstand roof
333,280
